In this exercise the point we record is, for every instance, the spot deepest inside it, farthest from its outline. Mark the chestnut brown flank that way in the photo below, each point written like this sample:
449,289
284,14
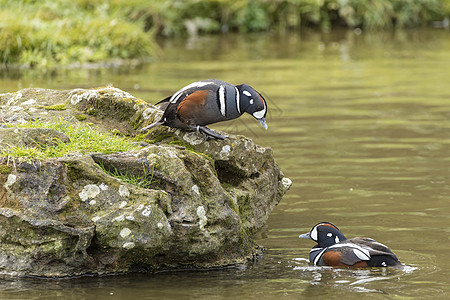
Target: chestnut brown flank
333,258
192,105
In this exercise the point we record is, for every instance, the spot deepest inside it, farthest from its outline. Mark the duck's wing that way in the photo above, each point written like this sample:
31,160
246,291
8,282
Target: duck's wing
375,247
346,253
381,255
163,103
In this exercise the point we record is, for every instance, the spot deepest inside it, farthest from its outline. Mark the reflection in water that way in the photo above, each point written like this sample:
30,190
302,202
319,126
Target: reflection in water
357,280
359,123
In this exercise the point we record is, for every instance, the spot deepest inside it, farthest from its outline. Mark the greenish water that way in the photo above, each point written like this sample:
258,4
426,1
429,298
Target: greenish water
359,123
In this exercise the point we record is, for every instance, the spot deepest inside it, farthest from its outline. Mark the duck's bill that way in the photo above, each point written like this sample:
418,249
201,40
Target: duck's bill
263,123
305,236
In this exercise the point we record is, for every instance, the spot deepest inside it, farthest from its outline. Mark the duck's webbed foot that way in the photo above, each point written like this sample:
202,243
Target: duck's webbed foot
209,134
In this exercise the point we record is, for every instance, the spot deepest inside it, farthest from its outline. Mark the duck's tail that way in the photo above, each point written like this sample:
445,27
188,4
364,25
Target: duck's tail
160,122
162,106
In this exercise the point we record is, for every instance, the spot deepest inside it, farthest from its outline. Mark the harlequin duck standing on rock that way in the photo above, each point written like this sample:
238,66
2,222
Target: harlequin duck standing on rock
334,249
210,101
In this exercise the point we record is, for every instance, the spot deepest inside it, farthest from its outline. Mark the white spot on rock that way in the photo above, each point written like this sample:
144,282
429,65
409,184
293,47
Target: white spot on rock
90,191
95,219
129,218
123,191
201,213
286,182
103,187
160,225
147,211
140,207
92,202
118,93
119,218
125,232
86,95
123,204
225,151
260,149
11,180
128,245
29,102
195,189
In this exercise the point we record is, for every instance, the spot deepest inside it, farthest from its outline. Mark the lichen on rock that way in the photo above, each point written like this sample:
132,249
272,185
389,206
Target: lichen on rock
176,201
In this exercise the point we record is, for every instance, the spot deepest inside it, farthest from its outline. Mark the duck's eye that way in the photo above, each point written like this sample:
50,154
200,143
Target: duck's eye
329,234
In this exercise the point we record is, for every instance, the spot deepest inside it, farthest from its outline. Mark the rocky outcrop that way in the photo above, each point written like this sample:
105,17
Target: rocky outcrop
198,203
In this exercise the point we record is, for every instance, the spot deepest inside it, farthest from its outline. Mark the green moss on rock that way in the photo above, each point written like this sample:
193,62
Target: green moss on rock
5,169
60,106
80,117
91,111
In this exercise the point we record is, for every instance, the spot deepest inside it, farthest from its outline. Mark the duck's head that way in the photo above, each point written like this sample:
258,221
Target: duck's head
325,234
253,103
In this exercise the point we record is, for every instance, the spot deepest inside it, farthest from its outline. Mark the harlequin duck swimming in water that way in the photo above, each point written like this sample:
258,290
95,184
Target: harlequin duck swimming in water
334,249
210,101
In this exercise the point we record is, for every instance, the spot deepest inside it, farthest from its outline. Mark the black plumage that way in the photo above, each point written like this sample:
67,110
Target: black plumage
210,101
334,249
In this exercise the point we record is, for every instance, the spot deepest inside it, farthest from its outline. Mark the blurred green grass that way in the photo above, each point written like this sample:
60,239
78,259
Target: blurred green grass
49,33
58,32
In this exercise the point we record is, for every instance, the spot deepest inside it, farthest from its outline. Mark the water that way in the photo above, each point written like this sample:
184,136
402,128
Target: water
360,123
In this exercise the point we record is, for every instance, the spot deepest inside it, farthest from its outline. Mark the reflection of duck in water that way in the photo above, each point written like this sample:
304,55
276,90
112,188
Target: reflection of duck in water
334,249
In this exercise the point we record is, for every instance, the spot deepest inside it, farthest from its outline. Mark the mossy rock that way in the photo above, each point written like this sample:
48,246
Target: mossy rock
178,201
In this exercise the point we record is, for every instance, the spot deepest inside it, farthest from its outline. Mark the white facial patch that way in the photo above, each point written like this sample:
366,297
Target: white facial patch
251,101
329,234
313,234
337,240
260,114
246,93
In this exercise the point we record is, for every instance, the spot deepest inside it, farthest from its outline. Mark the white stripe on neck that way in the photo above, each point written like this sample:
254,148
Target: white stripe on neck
238,104
222,100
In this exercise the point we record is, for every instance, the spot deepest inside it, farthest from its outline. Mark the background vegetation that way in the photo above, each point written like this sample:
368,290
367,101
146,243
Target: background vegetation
59,32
